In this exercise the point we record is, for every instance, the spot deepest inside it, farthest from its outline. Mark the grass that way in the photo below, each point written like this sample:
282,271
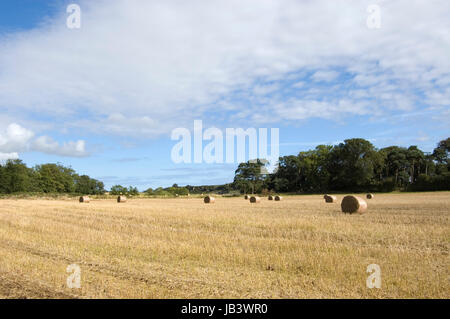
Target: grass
300,247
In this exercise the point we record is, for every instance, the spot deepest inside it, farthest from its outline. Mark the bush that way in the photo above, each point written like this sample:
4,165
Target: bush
431,183
387,185
118,190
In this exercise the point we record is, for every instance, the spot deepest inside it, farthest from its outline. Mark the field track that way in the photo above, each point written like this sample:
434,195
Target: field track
299,247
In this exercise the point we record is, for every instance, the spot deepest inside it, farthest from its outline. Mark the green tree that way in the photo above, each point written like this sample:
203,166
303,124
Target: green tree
55,178
86,185
161,192
176,190
314,175
396,164
288,175
15,177
416,160
352,165
133,191
440,153
249,176
118,190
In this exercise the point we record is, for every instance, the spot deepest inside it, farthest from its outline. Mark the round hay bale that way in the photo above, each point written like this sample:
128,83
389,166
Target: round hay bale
353,204
255,199
85,199
246,197
270,197
278,198
121,199
369,196
330,199
209,200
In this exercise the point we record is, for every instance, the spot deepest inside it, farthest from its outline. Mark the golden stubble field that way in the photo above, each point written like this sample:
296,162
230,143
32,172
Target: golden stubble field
182,248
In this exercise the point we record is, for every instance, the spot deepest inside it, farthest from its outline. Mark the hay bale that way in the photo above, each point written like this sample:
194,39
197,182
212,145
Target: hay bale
270,197
209,200
246,197
353,204
85,199
369,196
330,199
278,198
255,199
121,199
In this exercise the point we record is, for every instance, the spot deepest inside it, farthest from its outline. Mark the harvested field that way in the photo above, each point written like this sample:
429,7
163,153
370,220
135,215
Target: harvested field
181,248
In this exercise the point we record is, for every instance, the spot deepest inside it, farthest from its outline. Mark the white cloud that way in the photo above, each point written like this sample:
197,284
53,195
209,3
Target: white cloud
423,137
303,109
7,156
265,89
325,76
143,67
47,145
299,85
17,139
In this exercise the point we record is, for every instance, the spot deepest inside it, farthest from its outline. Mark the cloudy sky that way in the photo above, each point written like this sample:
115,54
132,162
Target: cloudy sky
105,98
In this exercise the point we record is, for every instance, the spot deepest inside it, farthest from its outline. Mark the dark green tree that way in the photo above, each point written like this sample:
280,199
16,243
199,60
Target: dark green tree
249,176
86,185
396,164
55,178
118,190
416,160
15,177
352,165
133,191
440,153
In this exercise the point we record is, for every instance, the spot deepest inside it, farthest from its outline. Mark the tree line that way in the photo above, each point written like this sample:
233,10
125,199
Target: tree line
354,165
16,177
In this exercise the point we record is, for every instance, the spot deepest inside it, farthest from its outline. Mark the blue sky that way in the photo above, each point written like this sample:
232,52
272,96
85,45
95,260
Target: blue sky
105,98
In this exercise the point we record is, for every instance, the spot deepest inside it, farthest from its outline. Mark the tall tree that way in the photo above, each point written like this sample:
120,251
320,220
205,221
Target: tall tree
416,158
15,177
352,164
440,154
250,175
86,185
397,163
118,190
287,177
55,178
